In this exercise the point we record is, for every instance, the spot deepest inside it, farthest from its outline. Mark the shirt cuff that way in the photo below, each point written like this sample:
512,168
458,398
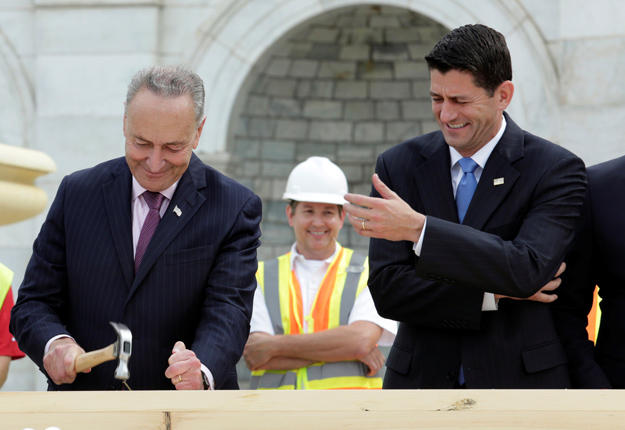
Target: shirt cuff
417,246
58,336
489,303
209,377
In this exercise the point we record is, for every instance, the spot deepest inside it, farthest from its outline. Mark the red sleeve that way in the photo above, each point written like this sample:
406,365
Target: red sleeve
8,345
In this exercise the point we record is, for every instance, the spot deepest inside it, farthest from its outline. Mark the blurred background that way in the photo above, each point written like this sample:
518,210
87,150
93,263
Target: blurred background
287,79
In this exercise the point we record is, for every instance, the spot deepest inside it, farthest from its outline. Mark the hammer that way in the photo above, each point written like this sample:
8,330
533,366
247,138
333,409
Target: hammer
120,349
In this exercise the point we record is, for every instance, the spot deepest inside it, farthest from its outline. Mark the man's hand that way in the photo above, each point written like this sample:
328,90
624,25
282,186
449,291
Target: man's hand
185,369
60,360
388,217
542,295
374,361
258,350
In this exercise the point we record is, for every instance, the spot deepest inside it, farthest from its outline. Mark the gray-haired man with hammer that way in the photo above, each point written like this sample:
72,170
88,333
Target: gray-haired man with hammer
157,241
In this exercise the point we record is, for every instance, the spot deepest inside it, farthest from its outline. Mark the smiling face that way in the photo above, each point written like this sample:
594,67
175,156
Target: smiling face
316,227
161,133
468,117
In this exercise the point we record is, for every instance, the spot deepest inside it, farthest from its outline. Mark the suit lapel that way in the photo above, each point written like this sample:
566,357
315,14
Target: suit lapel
433,181
498,177
183,206
118,208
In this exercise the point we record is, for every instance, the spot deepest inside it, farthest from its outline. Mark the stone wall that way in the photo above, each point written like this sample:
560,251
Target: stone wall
346,85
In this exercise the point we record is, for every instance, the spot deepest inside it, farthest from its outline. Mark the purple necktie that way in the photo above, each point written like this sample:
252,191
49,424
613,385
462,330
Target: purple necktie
154,201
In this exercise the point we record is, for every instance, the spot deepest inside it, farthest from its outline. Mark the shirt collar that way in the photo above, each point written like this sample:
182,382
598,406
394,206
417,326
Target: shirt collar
481,156
137,190
296,255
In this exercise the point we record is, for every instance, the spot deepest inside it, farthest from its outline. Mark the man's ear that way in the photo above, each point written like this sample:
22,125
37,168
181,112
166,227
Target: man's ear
289,214
504,94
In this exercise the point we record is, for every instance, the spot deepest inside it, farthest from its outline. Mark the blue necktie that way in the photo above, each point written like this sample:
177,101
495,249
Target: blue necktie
464,194
466,187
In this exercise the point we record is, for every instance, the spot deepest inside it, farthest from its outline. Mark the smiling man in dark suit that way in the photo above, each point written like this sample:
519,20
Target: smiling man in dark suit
464,219
157,241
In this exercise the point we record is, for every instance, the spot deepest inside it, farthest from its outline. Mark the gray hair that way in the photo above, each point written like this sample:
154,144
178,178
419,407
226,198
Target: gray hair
169,81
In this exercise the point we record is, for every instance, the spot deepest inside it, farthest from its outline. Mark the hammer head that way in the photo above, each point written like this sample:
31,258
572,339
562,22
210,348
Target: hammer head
123,349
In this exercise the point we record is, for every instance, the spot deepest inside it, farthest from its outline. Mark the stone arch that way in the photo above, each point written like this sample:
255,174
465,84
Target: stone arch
240,61
229,44
17,101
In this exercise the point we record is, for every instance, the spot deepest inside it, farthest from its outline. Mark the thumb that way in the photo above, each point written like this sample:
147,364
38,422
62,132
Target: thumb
179,346
381,188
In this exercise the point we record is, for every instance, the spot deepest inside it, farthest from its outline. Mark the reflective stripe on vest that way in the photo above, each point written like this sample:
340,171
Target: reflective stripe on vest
273,278
6,277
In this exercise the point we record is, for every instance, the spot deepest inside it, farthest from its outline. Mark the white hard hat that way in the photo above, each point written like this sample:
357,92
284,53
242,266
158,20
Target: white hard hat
316,180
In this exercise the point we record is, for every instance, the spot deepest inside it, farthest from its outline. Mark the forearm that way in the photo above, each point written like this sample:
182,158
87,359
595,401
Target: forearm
285,363
350,342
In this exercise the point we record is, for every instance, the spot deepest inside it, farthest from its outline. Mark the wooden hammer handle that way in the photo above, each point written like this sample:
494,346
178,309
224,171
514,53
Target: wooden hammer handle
93,358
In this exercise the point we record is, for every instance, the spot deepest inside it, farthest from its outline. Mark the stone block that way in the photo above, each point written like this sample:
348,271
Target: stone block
399,131
323,35
418,51
374,70
261,127
278,150
411,70
315,89
421,89
369,132
279,185
250,169
274,211
403,35
354,52
429,126
280,87
276,169
257,105
359,110
304,69
397,51
328,131
309,149
323,109
352,153
351,90
337,69
384,21
390,90
351,21
278,67
247,148
353,173
414,109
285,107
291,129
277,234
387,110
298,49
362,35
324,51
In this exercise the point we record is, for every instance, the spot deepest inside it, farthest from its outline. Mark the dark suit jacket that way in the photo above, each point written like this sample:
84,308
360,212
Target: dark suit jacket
512,241
195,283
597,257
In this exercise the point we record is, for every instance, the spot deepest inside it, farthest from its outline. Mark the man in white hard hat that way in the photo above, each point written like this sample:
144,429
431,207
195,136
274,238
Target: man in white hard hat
318,291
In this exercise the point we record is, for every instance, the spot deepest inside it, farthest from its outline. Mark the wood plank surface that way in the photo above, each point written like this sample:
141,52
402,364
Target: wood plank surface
302,410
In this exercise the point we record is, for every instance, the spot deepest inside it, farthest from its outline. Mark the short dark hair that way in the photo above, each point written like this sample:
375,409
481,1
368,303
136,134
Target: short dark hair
293,204
476,49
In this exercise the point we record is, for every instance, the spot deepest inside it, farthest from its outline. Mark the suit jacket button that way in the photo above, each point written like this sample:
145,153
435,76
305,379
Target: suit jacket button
452,282
446,280
451,376
465,324
445,323
431,277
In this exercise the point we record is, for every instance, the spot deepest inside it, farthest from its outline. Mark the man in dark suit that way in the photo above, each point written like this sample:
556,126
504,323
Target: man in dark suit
104,254
480,211
596,258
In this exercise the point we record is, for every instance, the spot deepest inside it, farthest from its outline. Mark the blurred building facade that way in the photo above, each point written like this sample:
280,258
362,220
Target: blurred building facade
287,79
